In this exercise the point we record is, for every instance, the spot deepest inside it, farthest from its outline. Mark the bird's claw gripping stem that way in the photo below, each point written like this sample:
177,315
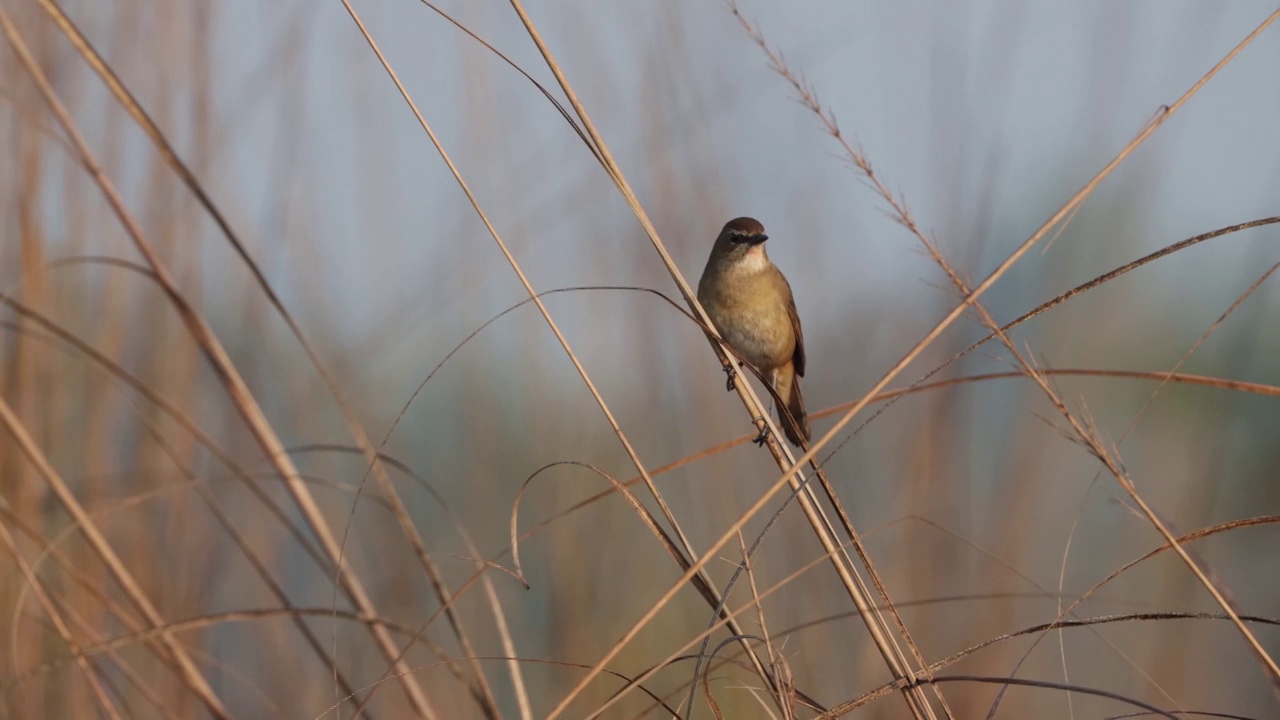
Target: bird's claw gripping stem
764,432
731,374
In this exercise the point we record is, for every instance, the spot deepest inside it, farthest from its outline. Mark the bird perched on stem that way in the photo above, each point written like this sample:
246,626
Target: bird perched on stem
751,304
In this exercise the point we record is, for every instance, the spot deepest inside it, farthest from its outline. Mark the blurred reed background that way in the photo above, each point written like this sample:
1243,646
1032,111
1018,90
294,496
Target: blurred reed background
980,512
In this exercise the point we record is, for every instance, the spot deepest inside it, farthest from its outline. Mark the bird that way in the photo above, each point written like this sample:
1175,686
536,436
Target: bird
751,304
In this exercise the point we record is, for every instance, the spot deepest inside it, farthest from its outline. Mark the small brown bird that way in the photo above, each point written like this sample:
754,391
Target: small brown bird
751,305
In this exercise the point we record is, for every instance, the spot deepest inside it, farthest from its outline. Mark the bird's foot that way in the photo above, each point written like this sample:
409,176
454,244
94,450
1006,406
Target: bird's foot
729,383
764,432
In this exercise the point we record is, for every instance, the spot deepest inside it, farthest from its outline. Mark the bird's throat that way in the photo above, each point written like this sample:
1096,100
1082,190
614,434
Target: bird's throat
753,261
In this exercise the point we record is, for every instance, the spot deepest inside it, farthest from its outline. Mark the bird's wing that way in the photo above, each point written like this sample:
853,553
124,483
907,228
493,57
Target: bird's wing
797,358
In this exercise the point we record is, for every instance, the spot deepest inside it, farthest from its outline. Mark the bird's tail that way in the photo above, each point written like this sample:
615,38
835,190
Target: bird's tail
788,386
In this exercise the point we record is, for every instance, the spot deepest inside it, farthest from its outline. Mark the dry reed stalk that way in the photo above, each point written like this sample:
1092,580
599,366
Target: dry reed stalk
845,569
241,395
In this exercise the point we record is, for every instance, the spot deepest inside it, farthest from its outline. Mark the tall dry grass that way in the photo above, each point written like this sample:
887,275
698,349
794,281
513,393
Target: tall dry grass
301,420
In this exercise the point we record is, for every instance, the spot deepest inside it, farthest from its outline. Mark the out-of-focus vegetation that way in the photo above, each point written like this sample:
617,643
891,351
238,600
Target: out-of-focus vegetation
200,586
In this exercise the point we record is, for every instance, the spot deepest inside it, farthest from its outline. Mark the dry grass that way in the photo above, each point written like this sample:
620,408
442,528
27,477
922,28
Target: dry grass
285,437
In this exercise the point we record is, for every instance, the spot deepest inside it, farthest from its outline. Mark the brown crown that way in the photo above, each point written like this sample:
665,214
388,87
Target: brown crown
744,226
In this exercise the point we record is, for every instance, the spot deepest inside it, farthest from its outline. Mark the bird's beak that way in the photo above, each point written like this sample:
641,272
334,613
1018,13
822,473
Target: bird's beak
757,239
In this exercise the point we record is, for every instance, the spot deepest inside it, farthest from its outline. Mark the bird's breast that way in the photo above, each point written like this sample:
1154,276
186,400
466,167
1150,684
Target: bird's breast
750,309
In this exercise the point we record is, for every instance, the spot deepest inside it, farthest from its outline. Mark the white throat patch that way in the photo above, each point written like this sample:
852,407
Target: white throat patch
754,260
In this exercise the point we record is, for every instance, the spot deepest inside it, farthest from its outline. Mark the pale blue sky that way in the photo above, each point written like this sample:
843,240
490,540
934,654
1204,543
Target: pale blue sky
971,110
